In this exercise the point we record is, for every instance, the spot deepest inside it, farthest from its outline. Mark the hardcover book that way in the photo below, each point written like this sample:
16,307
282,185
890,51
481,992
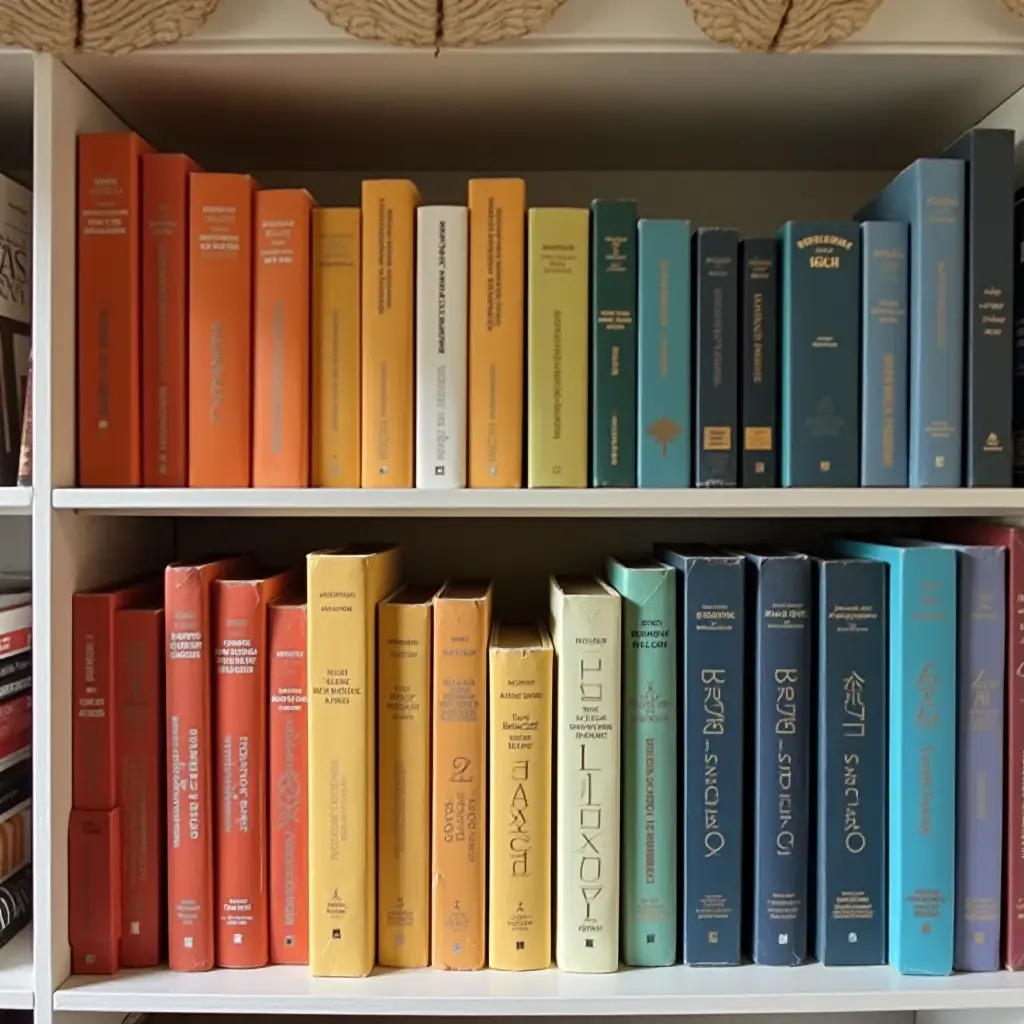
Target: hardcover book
94,889
759,415
1018,339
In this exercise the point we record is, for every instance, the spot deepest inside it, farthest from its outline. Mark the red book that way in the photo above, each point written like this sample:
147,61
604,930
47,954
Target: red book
240,697
289,793
94,890
15,682
190,760
139,689
94,733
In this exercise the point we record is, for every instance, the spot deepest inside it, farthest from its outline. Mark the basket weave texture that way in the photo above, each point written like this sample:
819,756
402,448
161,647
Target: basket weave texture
120,26
47,25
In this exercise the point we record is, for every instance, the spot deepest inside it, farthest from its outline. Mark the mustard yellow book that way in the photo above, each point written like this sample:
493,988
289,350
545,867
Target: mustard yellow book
336,299
497,228
520,850
458,909
404,639
388,314
557,341
343,590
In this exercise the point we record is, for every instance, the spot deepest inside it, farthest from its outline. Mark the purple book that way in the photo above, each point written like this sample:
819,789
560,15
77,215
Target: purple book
981,684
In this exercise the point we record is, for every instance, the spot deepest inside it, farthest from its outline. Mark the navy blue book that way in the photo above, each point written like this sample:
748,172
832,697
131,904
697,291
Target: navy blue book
1018,340
759,372
852,745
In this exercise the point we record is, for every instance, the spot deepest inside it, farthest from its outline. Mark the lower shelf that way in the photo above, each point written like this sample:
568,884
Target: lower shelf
16,986
667,990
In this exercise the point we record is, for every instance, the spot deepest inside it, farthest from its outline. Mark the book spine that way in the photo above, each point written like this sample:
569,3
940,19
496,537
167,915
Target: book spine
781,751
884,347
852,681
281,381
15,904
1018,344
716,351
335,359
981,684
441,355
557,360
94,890
25,452
820,354
613,356
497,261
759,415
1013,903
663,342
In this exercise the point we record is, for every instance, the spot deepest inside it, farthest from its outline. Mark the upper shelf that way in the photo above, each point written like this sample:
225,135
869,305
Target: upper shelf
604,84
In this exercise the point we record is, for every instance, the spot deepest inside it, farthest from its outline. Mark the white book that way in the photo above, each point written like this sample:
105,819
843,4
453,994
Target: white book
441,354
586,620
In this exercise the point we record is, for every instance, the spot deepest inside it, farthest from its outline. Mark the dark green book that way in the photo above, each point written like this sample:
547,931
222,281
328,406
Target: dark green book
613,355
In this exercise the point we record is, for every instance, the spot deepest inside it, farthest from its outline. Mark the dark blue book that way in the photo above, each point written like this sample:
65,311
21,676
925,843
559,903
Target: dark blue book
709,605
716,357
759,371
1018,340
820,354
852,745
779,594
988,156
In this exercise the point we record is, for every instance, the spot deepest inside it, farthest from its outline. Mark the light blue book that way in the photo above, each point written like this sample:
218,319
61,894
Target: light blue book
663,332
649,780
922,751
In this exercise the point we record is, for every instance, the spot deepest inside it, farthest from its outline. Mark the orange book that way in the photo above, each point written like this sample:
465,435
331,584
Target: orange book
289,787
165,179
220,330
497,211
190,760
240,700
280,450
388,372
94,890
336,347
109,310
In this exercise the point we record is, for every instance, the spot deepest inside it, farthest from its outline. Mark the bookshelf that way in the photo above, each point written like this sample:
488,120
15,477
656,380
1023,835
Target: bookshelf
698,130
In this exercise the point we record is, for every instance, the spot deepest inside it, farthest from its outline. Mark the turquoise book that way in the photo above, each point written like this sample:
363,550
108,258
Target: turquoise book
663,332
922,751
649,784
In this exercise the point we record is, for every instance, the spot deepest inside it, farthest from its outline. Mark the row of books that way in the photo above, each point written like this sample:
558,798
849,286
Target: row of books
445,790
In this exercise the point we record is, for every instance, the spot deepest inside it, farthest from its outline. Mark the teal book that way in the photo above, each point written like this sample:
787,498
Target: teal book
922,751
649,781
663,337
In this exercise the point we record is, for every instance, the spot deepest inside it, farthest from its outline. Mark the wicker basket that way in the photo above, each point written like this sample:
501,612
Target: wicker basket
50,26
120,26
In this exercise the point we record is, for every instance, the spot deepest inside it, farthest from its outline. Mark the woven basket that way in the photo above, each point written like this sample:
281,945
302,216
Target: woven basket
1015,6
120,26
49,26
478,22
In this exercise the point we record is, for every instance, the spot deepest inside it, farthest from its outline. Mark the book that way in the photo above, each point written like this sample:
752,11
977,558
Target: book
139,697
649,736
108,351
929,196
716,357
557,354
852,696
336,414
15,684
25,453
288,858
497,261
779,598
94,890
1018,339
759,362
922,751
344,588
613,356
16,817
441,353
165,245
388,324
820,353
281,348
663,345
15,904
458,925
586,632
405,657
220,330
988,156
711,622
885,277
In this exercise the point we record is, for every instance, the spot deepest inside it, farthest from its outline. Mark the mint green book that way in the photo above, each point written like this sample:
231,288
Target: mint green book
649,780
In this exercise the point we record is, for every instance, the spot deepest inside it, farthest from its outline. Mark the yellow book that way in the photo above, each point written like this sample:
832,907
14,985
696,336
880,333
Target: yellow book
336,297
522,710
458,909
497,213
404,635
388,306
559,273
343,589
